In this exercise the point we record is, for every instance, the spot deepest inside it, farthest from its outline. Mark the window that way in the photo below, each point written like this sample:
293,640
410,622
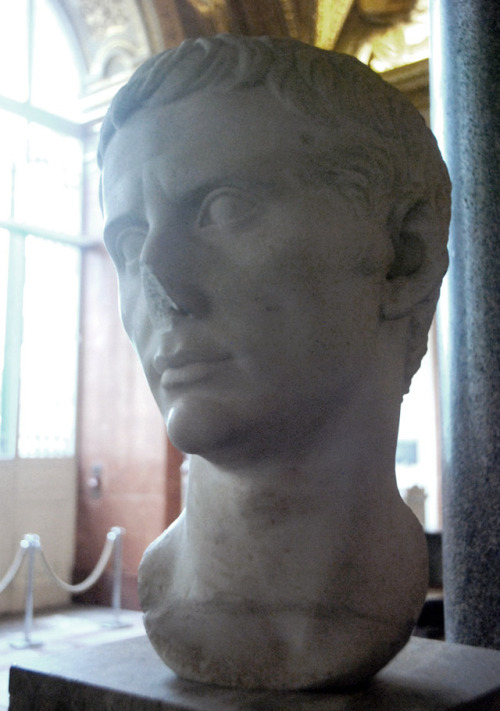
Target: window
417,456
40,219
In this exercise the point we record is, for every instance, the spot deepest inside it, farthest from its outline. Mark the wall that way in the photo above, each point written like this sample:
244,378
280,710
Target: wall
121,437
121,434
119,430
37,496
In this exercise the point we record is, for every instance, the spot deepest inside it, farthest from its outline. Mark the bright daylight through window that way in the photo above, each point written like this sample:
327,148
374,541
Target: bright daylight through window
40,219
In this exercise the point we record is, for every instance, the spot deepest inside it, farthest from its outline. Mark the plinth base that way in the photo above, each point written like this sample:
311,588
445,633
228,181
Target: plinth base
128,676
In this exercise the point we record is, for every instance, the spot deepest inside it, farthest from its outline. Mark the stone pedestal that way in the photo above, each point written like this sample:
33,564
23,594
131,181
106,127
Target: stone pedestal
128,676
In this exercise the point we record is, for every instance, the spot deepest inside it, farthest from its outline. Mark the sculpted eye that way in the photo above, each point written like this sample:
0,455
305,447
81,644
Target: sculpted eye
226,206
128,246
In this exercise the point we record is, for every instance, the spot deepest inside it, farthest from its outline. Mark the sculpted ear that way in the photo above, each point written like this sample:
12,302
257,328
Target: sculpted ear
420,261
414,279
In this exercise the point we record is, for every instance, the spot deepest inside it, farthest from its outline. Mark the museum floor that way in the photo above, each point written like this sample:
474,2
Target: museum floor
58,631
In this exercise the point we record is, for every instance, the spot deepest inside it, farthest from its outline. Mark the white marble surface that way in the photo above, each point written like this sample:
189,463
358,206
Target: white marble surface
277,280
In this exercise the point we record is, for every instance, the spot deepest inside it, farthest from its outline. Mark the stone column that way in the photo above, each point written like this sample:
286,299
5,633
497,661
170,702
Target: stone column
465,103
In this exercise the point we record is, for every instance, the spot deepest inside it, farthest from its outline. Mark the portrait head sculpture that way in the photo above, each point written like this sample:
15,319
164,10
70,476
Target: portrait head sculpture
278,218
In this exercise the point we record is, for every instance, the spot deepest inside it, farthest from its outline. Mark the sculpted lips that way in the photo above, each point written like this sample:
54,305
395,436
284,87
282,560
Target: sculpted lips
185,368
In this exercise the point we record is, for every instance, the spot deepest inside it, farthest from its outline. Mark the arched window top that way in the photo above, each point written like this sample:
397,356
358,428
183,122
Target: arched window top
38,60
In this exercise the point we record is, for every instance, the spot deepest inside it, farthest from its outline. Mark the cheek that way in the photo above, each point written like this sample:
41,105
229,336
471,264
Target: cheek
134,314
127,308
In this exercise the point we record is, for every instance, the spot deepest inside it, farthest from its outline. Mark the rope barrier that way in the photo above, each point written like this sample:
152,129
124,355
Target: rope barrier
30,545
14,568
94,575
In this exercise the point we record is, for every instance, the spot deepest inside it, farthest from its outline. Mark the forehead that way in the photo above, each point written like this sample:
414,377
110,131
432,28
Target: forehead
209,136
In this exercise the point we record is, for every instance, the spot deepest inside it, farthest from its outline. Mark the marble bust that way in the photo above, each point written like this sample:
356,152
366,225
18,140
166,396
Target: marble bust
278,217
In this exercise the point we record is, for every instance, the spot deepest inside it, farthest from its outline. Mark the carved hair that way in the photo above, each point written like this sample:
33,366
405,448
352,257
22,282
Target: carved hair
403,163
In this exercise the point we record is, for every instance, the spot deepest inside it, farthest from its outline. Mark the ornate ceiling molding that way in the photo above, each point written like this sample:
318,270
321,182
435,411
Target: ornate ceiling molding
115,36
215,12
383,40
112,35
386,11
330,18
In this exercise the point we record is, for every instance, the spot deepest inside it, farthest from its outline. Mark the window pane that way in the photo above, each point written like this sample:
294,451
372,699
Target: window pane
49,350
55,76
48,184
11,286
5,440
13,136
417,455
4,267
14,49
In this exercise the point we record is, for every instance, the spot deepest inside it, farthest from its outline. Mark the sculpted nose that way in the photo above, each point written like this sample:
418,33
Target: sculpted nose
161,307
170,284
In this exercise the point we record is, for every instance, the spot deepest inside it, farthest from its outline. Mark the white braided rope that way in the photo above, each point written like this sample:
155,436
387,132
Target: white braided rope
14,568
94,575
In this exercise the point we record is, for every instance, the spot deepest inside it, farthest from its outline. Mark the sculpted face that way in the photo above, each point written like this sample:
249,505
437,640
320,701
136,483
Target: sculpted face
279,243
250,282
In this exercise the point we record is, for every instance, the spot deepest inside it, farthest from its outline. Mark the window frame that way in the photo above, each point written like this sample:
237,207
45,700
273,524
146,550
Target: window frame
18,231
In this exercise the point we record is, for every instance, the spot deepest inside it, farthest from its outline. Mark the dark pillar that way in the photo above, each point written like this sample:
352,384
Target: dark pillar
465,90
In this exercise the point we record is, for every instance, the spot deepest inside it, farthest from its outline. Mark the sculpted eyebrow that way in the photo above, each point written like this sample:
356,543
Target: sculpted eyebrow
244,181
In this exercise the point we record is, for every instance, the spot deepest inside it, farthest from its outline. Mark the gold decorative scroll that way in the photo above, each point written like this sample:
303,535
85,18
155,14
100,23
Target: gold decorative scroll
403,43
216,11
290,17
385,7
330,18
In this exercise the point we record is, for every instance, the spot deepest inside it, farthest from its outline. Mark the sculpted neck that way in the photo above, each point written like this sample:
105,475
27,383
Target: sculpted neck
306,554
323,506
350,456
296,549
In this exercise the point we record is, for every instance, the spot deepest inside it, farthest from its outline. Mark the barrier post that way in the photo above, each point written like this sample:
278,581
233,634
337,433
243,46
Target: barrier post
31,542
116,534
31,546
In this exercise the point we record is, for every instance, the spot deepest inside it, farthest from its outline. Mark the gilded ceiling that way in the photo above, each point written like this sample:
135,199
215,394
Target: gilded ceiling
117,35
